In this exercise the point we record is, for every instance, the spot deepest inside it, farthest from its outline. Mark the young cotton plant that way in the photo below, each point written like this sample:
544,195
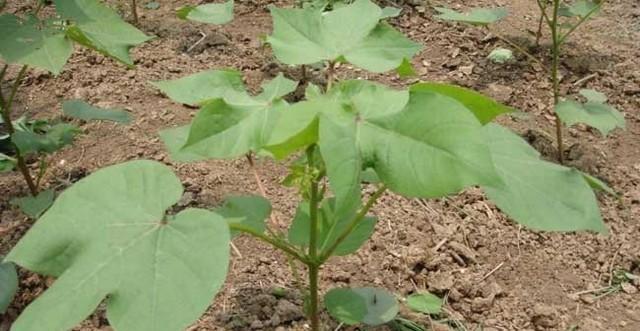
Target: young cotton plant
562,18
113,237
47,44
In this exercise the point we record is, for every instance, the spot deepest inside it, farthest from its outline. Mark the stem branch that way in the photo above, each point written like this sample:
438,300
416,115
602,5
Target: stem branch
555,79
275,242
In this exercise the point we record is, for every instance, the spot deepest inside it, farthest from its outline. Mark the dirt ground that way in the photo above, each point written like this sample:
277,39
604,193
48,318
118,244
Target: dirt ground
493,274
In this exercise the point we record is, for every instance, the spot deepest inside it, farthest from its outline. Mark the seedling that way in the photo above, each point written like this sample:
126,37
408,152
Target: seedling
156,270
48,44
594,113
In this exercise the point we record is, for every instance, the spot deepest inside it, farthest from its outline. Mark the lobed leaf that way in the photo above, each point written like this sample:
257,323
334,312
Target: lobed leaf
198,88
55,138
98,27
595,112
107,238
476,16
539,194
351,32
33,42
367,305
213,13
86,112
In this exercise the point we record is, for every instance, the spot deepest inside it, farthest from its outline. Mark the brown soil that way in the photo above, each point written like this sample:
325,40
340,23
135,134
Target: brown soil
495,275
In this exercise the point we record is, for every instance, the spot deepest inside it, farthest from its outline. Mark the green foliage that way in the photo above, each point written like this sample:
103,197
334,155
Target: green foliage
476,16
7,163
96,26
424,303
249,211
580,8
35,206
352,33
214,13
367,305
500,55
153,270
330,225
86,112
8,285
201,87
595,112
51,139
41,44
539,194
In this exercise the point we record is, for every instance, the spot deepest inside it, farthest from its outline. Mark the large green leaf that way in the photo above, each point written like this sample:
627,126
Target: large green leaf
203,86
539,194
108,238
483,107
213,13
352,32
233,126
98,27
595,112
8,285
86,112
250,211
475,16
33,42
367,305
330,226
428,146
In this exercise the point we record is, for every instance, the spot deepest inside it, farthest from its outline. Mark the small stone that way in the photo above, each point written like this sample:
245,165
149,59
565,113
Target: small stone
479,305
544,316
588,299
441,283
629,288
257,325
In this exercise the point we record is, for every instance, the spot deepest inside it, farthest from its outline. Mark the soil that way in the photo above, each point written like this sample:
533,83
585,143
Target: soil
494,274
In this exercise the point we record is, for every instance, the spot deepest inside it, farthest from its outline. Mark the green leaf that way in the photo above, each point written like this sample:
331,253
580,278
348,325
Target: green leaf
55,138
35,206
33,42
579,8
425,302
598,185
500,55
330,226
201,87
390,12
250,211
153,5
98,27
476,16
405,69
86,112
539,194
595,112
214,13
484,108
8,285
107,238
367,305
351,32
276,88
7,163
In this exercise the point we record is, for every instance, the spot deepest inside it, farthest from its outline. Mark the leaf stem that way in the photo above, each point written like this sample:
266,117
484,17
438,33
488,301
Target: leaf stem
517,47
275,242
555,53
6,106
314,265
582,20
354,222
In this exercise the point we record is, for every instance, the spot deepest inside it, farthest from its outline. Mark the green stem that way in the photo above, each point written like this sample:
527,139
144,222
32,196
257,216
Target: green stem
6,106
354,222
314,265
555,52
543,13
582,20
283,246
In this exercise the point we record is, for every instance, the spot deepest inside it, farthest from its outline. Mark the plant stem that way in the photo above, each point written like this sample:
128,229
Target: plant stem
275,242
6,106
354,222
314,265
134,10
330,74
555,53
